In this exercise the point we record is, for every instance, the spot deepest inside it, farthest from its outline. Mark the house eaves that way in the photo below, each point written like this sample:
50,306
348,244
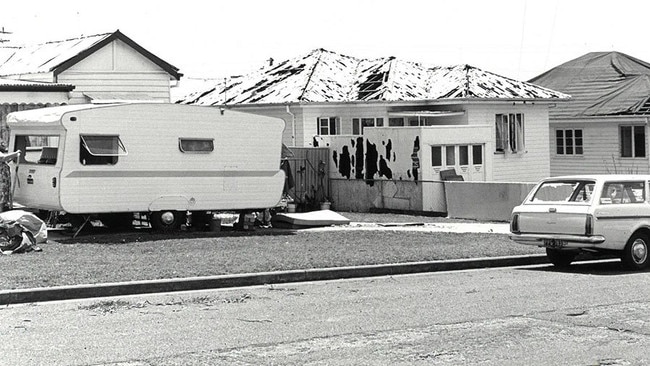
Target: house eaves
57,56
33,86
170,69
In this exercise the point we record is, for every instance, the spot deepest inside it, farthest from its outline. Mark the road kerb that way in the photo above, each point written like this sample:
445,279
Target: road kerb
20,296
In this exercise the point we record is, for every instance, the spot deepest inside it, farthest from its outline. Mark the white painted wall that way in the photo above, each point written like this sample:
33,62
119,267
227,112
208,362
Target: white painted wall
117,69
601,147
476,126
534,163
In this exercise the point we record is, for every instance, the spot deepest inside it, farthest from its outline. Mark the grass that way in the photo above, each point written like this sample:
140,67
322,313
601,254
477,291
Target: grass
99,257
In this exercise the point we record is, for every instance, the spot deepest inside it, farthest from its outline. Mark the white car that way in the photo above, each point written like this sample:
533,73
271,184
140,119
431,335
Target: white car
593,213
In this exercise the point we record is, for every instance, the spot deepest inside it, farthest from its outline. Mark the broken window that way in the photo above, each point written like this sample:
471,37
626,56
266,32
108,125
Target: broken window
37,149
100,149
509,130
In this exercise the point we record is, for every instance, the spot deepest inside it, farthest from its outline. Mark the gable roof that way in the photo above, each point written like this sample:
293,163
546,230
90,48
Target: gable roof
325,76
58,56
600,83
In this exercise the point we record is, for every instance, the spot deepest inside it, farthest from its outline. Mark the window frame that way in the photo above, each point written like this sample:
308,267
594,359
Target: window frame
96,158
633,153
194,139
510,133
46,146
562,145
359,123
328,126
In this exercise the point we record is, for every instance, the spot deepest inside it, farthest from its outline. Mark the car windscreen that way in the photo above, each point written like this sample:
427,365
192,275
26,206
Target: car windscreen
564,191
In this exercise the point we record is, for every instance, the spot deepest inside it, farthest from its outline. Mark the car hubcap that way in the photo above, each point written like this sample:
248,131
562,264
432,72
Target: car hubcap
639,251
167,218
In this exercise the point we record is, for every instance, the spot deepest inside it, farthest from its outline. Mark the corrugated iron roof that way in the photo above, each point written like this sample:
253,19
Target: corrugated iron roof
58,56
325,76
600,83
26,85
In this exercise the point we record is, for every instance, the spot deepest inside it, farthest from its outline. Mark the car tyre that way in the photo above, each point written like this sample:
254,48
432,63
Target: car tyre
561,258
635,254
167,220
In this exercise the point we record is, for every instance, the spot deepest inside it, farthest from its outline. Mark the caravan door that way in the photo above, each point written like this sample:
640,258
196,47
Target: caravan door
38,172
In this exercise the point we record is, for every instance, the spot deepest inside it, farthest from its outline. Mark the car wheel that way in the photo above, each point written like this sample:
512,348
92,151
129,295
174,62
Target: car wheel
167,220
561,258
635,253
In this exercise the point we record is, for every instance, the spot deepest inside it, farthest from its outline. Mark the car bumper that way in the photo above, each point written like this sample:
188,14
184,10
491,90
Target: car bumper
551,240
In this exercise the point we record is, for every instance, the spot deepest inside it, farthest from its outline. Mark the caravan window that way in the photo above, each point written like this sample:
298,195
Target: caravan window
195,146
100,149
37,149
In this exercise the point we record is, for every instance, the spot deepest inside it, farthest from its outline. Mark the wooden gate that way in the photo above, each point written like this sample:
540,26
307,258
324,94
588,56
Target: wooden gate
309,173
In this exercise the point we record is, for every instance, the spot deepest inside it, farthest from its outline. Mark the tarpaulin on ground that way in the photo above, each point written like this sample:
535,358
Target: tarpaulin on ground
21,231
599,83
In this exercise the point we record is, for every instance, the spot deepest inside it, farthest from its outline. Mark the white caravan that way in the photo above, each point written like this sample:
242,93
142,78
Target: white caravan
163,160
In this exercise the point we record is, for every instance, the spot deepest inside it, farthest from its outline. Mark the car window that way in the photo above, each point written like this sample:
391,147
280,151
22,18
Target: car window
564,191
623,193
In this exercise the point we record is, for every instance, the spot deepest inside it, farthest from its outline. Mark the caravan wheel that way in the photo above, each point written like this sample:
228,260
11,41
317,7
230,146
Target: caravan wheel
167,220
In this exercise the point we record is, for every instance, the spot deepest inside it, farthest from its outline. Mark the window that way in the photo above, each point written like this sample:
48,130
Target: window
463,154
450,155
359,123
568,141
37,149
329,126
477,154
396,122
623,192
100,149
564,191
436,156
195,146
632,141
510,132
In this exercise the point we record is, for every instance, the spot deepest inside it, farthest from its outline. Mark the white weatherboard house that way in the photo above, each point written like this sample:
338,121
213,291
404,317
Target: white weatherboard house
101,68
392,119
604,127
19,95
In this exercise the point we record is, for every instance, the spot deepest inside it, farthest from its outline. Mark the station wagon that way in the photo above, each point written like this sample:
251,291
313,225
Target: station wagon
607,214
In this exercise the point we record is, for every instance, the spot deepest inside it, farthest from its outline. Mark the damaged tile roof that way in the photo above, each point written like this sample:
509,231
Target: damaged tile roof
57,56
325,76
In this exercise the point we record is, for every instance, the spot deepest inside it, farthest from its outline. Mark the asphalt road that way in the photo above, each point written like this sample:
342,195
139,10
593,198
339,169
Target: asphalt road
593,314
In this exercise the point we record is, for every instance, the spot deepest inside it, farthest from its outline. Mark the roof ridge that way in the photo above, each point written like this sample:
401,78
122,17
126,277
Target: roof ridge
311,73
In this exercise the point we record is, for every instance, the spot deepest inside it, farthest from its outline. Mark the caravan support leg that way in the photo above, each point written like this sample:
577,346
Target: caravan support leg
83,224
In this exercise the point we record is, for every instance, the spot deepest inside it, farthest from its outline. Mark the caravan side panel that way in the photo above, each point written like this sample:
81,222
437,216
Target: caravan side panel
242,171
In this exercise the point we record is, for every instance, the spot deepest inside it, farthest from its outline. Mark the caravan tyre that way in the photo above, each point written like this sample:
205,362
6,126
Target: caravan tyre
167,220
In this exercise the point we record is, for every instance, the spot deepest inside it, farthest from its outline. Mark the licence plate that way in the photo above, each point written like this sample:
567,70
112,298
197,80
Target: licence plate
554,243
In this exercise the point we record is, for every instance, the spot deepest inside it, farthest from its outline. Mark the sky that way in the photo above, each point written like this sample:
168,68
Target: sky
519,39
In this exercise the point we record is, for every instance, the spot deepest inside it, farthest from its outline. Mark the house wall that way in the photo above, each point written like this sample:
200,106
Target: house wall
529,166
345,113
117,69
601,148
